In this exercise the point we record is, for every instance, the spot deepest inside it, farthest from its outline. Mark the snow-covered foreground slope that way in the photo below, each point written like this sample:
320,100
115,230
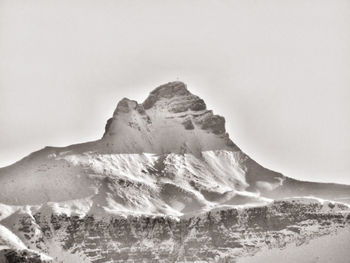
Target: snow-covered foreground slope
332,248
167,157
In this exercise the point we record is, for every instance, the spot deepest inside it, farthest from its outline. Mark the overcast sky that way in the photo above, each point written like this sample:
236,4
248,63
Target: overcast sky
278,71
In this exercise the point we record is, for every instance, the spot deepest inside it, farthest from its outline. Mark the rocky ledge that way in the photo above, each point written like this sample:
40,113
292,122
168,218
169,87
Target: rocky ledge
216,236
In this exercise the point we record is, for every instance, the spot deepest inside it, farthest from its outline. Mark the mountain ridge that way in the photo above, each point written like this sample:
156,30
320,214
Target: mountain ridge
165,173
171,132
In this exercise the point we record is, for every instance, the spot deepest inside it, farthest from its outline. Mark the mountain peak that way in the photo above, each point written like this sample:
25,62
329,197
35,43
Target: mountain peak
126,105
171,119
176,97
168,90
173,87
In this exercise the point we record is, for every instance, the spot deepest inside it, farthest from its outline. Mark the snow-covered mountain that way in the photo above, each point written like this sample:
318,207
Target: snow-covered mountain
166,161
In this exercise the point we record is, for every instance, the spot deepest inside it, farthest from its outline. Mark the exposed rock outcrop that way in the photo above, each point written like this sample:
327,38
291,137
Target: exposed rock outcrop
216,236
166,91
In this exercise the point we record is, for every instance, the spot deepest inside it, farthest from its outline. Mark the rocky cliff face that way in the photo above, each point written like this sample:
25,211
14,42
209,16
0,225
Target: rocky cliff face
223,235
165,183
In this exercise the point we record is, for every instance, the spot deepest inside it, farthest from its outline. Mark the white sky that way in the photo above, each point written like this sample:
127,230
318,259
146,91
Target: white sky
279,71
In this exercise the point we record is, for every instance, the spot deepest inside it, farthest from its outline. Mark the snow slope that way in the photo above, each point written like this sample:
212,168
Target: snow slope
332,248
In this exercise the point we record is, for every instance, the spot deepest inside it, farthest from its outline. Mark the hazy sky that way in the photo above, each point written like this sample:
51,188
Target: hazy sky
279,71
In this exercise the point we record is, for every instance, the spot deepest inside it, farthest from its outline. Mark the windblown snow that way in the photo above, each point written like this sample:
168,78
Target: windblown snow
169,155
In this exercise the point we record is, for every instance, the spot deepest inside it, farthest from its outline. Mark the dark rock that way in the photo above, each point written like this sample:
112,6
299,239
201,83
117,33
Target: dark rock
187,103
198,105
295,229
108,125
22,256
230,143
125,106
150,101
214,123
330,205
168,90
188,124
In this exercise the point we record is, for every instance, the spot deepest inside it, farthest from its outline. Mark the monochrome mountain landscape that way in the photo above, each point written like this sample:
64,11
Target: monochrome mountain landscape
165,183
